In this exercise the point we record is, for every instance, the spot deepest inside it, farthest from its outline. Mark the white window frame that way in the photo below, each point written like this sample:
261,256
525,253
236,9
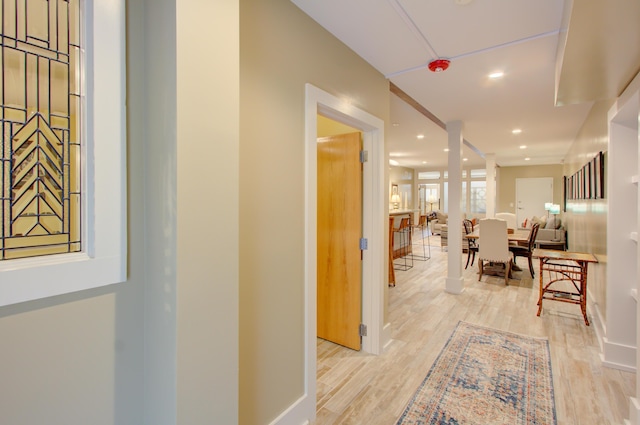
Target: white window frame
104,238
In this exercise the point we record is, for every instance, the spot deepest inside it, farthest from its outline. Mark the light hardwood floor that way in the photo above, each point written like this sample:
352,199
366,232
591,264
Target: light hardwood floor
358,388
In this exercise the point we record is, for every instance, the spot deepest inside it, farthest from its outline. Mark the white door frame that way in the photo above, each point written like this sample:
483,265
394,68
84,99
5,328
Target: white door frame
317,102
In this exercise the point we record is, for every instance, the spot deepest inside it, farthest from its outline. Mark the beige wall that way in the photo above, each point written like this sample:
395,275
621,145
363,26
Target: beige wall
586,219
162,347
281,50
506,184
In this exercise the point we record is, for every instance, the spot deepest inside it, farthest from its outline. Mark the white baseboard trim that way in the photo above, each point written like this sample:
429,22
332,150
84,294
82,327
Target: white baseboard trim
298,413
618,356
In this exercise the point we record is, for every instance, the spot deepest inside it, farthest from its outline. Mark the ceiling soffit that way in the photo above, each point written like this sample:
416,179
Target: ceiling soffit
601,54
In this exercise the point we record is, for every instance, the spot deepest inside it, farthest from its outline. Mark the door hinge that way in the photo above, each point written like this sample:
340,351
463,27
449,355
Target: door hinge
363,329
364,243
364,156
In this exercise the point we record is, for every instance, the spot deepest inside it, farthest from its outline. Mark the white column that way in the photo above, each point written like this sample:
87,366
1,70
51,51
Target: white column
490,159
455,282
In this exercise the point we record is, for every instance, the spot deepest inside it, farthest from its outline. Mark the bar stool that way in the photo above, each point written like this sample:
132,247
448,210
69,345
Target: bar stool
404,241
422,225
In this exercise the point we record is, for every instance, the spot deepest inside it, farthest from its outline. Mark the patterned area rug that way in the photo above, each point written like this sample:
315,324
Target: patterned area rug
486,376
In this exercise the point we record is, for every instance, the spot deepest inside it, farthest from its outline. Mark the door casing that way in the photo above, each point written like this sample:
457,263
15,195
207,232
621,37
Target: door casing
318,101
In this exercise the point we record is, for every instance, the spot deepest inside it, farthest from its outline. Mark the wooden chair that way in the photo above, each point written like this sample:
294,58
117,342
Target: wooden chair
473,245
494,246
526,250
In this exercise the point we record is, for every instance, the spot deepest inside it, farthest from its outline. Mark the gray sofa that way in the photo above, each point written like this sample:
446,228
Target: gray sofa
550,236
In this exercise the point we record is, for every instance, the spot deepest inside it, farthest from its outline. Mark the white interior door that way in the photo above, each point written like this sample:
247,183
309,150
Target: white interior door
531,195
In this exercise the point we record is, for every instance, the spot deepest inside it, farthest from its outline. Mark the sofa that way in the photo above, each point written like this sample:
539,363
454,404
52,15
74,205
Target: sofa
551,234
436,220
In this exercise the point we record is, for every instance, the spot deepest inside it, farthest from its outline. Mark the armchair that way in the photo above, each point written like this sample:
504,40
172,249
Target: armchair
510,218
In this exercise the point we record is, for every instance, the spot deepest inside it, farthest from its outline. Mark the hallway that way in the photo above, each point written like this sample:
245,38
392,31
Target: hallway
359,388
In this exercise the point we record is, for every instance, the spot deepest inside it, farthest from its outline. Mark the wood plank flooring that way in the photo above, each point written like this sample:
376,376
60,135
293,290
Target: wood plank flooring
358,388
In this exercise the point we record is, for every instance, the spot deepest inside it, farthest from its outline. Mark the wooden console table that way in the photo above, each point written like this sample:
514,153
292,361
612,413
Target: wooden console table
564,266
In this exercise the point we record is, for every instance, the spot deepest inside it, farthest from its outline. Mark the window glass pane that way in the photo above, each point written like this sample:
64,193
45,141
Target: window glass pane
428,175
480,173
463,201
478,200
429,198
464,174
41,121
445,198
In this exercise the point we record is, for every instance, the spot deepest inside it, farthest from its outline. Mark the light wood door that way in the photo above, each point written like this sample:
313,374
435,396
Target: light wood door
339,297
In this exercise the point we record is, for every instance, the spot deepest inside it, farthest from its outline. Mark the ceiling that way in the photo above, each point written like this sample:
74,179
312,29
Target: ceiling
526,40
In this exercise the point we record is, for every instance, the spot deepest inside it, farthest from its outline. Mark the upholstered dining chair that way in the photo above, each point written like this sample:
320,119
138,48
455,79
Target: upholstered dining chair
526,250
473,244
494,246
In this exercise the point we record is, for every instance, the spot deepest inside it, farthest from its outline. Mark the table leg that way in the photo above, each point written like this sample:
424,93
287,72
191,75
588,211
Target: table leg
583,291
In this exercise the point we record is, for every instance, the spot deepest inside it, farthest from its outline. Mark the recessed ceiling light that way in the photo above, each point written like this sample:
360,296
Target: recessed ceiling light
465,159
523,146
516,131
420,136
527,159
498,74
424,162
395,124
446,149
393,162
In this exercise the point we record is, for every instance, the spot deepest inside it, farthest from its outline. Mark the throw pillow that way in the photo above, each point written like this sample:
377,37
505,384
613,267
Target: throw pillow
551,223
542,221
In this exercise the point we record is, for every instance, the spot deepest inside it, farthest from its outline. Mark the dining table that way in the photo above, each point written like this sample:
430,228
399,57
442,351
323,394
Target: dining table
513,235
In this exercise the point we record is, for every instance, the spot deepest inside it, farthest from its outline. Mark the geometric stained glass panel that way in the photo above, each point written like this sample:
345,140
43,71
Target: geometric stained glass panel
40,106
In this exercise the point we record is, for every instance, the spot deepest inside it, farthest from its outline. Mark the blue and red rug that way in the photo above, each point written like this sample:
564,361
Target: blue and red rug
485,376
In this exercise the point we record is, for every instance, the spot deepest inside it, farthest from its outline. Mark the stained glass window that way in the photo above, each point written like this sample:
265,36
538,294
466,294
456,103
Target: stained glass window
40,96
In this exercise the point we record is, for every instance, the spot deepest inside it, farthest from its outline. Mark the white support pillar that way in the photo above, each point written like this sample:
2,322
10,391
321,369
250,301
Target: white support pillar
455,282
490,159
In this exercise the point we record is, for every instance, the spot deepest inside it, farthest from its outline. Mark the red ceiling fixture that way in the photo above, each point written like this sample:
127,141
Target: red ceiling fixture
439,65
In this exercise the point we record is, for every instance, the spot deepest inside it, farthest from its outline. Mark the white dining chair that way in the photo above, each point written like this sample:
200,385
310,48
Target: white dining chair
494,246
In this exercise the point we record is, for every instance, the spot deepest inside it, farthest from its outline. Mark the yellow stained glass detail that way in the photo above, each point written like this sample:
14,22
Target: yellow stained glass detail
40,119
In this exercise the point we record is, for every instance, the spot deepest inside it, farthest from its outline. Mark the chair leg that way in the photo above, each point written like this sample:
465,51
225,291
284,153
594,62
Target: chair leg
468,258
507,272
531,266
480,262
473,258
